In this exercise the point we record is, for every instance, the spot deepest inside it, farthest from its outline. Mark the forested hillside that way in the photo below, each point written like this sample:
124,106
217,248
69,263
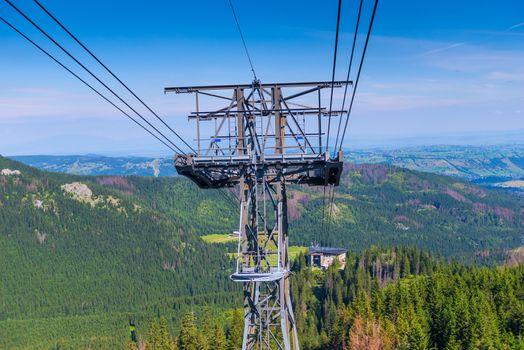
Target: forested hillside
384,299
405,299
389,206
374,205
82,255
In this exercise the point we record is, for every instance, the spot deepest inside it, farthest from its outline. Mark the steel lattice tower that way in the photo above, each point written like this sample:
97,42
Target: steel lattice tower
261,141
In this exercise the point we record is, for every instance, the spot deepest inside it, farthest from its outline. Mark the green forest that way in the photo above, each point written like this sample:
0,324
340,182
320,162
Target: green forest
74,270
406,299
400,298
85,258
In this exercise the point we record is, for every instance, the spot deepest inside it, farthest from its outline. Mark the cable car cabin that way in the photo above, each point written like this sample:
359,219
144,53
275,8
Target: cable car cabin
324,257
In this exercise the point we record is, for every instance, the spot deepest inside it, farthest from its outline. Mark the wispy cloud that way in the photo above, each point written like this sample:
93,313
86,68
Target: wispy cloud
42,102
459,44
518,25
441,49
473,59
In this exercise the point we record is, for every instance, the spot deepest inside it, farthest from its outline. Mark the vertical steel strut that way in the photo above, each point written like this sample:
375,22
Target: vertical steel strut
263,264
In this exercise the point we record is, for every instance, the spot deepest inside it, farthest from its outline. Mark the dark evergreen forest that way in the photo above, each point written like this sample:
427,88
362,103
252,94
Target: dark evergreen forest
399,298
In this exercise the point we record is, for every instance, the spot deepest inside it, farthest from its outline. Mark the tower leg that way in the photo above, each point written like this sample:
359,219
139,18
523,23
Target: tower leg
264,263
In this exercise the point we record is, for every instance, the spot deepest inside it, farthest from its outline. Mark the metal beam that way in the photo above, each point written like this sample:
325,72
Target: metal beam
190,89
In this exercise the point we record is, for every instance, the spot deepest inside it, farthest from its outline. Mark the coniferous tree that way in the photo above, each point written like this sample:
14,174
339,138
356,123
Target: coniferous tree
206,329
153,339
189,337
218,340
159,337
236,331
166,342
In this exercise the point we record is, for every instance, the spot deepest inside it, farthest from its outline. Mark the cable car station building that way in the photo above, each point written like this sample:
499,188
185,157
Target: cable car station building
324,257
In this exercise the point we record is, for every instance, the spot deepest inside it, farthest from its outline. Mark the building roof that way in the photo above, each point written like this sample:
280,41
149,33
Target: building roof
326,250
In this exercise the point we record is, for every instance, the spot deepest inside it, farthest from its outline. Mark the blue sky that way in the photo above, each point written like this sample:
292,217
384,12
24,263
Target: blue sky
445,71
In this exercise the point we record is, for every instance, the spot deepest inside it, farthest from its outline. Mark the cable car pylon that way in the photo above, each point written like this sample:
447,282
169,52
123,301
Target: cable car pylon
261,142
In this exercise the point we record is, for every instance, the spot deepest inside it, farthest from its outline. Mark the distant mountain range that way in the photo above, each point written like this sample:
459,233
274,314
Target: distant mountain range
467,162
93,164
499,166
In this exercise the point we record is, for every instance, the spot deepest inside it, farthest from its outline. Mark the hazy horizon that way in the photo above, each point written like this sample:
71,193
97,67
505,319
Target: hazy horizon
494,139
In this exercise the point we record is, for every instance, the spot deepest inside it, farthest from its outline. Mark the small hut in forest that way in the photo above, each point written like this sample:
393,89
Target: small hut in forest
324,257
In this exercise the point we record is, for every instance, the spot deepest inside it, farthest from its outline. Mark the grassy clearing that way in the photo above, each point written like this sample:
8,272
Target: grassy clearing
217,238
293,252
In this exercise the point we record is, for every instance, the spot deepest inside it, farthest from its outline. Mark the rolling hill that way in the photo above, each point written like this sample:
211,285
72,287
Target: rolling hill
493,166
388,206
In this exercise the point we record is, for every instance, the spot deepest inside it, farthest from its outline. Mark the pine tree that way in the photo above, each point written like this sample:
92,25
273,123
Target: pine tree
367,334
218,340
405,267
153,339
206,334
417,337
485,331
236,331
166,342
159,337
188,338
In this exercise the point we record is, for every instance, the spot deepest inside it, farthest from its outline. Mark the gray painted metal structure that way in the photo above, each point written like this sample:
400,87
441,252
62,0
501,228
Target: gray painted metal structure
261,141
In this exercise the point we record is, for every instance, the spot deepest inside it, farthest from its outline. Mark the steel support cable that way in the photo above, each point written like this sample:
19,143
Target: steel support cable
111,72
349,72
226,196
332,199
333,73
331,107
358,74
323,213
331,203
243,40
91,73
82,80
